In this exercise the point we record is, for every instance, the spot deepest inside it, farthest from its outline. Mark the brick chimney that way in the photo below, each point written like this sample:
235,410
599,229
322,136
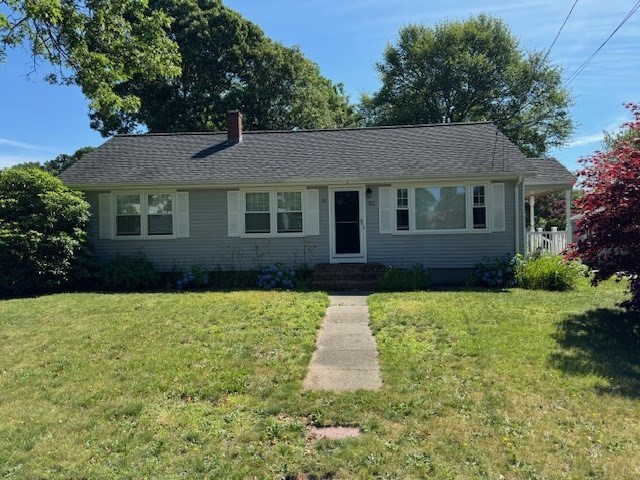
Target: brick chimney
234,126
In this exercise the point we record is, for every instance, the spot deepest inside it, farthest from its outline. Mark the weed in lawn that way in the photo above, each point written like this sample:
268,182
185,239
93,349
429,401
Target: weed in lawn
197,385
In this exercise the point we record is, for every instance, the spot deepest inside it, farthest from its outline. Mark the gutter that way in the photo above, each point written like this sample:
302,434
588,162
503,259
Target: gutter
337,181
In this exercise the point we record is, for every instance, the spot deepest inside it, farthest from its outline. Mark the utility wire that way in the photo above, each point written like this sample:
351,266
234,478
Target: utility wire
546,55
584,64
560,31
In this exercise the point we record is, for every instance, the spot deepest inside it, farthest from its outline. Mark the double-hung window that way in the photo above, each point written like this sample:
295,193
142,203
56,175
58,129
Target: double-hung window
160,214
128,215
273,212
402,209
144,215
479,207
289,212
257,216
446,208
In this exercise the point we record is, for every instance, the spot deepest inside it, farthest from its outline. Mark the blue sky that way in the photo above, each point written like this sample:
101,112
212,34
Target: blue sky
345,38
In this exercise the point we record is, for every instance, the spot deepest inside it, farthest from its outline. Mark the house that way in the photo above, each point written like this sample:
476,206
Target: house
444,195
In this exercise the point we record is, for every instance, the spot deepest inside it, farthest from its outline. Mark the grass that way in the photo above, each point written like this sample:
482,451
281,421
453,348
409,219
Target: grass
478,384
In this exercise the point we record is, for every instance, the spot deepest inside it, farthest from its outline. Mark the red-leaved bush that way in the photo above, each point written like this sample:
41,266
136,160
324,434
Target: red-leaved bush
610,227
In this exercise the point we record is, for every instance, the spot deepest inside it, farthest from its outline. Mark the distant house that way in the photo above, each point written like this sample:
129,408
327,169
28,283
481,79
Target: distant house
443,195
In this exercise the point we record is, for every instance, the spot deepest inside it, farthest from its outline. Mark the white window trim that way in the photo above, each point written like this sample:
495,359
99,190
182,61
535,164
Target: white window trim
468,202
273,212
144,209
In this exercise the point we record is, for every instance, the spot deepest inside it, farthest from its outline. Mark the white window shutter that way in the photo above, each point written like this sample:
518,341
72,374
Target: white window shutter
106,215
312,212
182,210
233,213
497,206
385,210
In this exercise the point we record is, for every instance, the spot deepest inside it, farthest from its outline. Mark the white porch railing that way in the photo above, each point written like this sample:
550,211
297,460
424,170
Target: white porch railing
548,242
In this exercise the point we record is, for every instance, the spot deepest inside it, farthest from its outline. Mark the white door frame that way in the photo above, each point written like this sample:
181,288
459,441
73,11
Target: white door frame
347,257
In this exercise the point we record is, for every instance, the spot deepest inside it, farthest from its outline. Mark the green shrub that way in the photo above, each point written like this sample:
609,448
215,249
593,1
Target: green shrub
304,278
548,272
130,274
232,279
42,232
395,279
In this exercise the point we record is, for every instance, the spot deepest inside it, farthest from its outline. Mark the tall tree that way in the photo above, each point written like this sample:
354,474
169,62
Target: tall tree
57,165
470,71
95,44
610,226
227,63
63,161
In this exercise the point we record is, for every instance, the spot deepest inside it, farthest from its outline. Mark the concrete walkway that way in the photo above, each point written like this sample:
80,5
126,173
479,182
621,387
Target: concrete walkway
346,356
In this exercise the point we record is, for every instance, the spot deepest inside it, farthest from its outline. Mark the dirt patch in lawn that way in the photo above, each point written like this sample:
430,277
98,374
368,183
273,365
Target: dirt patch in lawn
333,433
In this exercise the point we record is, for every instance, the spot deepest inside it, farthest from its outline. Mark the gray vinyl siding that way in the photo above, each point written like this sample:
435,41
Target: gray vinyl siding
456,250
209,245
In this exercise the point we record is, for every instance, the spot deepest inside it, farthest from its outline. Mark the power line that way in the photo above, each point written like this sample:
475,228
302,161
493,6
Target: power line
584,64
561,27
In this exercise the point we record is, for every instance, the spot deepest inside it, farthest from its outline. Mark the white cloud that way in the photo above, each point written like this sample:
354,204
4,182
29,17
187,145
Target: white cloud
13,143
586,140
22,145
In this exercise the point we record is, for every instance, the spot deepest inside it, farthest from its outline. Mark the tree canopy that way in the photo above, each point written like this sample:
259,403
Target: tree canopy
95,44
227,63
610,227
471,70
173,65
63,161
57,165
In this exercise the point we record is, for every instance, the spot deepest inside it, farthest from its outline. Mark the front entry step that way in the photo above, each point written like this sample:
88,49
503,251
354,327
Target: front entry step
347,276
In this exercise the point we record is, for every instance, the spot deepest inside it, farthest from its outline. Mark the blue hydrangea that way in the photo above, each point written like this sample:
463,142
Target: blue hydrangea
498,272
276,277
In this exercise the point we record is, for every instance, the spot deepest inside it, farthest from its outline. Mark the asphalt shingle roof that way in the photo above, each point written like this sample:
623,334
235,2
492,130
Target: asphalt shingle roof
382,153
548,171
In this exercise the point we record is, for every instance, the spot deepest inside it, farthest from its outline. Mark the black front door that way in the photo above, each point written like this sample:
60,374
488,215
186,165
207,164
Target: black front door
347,218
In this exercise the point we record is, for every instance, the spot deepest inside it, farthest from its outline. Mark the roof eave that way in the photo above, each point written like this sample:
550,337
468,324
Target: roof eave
543,187
300,181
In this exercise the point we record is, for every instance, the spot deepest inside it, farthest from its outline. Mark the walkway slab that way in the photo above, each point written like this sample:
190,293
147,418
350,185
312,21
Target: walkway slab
340,299
346,356
341,380
338,341
347,359
348,314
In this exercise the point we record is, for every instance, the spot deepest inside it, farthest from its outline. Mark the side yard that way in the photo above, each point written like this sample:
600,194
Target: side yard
478,384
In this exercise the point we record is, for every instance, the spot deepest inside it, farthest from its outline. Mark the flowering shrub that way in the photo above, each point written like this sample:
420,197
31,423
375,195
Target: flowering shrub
498,272
277,277
195,278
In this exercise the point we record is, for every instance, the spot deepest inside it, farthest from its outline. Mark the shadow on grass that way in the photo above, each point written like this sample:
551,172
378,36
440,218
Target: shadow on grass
604,342
472,289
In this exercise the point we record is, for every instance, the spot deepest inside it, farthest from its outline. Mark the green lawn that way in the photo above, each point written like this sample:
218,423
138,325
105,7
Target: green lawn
478,384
